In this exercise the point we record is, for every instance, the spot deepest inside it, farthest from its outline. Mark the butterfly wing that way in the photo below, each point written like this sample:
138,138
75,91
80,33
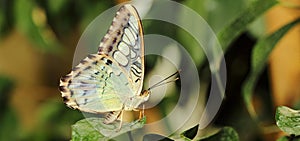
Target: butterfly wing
103,82
124,42
96,85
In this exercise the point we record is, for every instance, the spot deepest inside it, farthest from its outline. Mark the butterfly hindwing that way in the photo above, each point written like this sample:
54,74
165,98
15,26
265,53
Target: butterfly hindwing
96,85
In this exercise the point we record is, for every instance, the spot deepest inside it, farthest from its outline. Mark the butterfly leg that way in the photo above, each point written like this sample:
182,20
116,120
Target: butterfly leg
142,112
121,120
111,117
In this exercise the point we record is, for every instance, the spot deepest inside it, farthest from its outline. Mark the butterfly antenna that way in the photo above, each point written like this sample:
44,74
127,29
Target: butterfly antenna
163,82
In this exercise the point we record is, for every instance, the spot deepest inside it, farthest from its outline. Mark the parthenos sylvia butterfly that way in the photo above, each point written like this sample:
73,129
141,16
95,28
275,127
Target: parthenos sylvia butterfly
110,81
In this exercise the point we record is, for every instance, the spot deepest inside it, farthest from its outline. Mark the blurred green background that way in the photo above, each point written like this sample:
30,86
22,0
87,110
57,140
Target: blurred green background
38,40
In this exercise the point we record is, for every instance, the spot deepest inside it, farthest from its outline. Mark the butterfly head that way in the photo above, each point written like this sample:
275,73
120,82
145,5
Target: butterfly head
145,94
143,97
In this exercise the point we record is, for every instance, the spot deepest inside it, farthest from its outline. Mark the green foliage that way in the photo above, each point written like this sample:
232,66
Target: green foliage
213,13
240,24
225,134
291,138
6,20
54,120
288,120
260,55
29,20
9,125
8,119
48,23
228,28
2,22
95,129
6,85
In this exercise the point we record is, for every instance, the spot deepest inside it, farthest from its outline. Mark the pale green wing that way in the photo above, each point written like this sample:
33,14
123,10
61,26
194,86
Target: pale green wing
124,42
105,81
96,85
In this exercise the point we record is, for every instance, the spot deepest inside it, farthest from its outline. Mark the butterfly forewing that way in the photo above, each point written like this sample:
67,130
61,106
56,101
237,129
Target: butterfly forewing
124,42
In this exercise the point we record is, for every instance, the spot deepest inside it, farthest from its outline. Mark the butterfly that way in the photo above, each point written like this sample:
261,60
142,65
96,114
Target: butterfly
110,81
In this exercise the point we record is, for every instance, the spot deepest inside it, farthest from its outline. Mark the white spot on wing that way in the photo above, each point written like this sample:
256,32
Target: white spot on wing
123,48
131,35
120,58
128,37
125,39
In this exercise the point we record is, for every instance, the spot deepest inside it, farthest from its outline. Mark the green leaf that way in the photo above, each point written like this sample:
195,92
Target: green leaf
225,134
227,33
283,139
239,25
290,138
9,129
288,120
260,55
95,129
217,14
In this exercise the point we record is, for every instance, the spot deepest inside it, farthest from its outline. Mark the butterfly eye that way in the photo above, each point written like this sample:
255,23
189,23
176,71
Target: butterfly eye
145,93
